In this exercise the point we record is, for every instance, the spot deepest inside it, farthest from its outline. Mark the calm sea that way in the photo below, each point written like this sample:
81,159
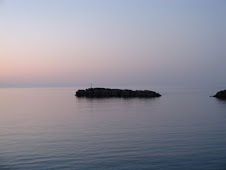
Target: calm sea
51,129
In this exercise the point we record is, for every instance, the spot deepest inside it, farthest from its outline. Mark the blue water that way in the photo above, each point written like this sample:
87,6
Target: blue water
51,129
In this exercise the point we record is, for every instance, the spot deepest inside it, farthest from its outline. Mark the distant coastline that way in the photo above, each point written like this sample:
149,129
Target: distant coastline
123,93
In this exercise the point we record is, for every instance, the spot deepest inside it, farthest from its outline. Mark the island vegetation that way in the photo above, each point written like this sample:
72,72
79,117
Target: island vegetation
123,93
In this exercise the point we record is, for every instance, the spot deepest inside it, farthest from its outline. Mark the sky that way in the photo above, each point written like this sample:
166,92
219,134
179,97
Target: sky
112,43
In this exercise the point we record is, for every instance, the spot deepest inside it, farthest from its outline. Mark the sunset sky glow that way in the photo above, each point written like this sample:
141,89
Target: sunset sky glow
118,42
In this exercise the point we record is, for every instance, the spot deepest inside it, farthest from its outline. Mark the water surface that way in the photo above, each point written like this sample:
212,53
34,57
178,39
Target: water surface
49,128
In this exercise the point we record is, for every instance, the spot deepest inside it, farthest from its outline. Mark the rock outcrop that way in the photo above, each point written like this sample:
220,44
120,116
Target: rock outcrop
125,93
221,94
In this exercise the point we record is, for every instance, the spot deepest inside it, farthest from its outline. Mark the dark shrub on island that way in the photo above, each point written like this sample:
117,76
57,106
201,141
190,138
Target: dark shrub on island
104,92
221,94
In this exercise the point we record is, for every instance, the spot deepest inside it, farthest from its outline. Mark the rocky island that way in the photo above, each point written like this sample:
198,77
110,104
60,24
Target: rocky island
221,94
124,93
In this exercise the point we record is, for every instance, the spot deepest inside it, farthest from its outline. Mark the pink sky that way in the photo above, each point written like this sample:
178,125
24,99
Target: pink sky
121,42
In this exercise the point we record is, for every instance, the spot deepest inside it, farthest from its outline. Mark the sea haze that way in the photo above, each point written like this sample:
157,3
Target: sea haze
49,128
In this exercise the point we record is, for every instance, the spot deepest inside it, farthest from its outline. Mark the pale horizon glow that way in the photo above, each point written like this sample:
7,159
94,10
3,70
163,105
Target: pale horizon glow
118,43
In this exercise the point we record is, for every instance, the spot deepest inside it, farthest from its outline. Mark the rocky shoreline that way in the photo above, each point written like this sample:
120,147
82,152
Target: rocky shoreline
220,94
124,93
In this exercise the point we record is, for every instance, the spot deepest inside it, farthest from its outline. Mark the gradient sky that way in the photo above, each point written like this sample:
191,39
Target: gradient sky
117,42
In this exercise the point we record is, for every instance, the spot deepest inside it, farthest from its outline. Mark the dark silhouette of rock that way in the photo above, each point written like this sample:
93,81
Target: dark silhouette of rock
221,94
104,92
